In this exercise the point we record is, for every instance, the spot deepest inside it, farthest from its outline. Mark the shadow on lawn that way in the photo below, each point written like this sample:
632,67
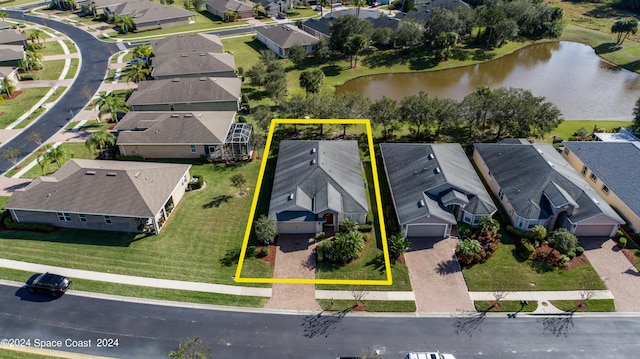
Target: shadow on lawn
230,258
217,201
76,236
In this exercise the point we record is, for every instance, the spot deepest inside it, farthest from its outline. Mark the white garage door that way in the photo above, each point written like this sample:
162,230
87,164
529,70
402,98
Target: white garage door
426,230
584,230
296,227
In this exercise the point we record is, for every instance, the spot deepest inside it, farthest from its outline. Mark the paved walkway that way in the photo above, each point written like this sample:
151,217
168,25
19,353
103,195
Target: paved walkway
294,260
615,270
436,278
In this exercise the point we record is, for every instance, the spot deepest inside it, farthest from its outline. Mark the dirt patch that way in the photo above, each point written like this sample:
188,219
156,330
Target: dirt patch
552,257
14,94
581,306
360,307
631,256
271,256
401,259
494,306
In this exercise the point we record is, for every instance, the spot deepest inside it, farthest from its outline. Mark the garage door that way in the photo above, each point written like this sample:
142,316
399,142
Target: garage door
584,230
296,227
426,230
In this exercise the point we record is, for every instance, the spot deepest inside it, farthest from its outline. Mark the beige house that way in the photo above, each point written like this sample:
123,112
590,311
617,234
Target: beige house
187,94
181,135
103,195
281,38
149,15
193,64
612,169
536,186
183,43
244,9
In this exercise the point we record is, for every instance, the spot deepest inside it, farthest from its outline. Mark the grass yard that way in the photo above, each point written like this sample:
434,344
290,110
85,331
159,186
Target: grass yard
51,48
592,305
73,69
77,150
12,109
505,272
71,46
200,243
568,128
505,306
398,306
51,71
14,354
35,114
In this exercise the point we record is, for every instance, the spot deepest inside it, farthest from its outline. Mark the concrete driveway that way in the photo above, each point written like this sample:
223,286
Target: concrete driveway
436,278
615,270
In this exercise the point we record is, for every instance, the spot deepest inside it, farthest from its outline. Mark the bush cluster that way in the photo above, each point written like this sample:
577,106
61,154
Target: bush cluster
198,184
478,248
347,244
40,227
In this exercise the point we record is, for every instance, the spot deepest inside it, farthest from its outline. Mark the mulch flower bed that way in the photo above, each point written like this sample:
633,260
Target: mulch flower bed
271,257
14,94
553,257
630,256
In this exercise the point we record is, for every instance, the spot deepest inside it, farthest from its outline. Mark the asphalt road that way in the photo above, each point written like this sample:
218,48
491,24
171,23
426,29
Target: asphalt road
148,331
95,58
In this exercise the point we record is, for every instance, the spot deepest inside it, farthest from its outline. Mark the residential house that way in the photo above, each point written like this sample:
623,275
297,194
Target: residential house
97,7
433,187
244,9
12,37
11,55
280,39
10,72
612,169
317,184
150,15
623,135
193,64
181,135
424,8
103,195
5,25
181,44
321,27
187,94
536,186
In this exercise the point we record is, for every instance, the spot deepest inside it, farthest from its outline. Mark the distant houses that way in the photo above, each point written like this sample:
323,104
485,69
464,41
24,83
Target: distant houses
280,39
146,14
244,9
209,64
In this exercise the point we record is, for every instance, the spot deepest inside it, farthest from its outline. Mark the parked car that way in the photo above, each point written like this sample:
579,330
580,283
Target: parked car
53,284
429,355
281,16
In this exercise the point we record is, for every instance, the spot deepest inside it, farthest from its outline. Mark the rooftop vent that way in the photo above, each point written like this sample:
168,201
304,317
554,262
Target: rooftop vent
137,174
175,115
186,115
550,163
430,156
313,161
313,150
90,173
290,196
437,170
539,150
175,80
421,203
111,174
184,55
203,79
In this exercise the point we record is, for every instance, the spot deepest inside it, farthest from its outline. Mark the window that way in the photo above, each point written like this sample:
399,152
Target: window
584,170
83,218
64,217
500,194
193,149
593,177
107,219
605,189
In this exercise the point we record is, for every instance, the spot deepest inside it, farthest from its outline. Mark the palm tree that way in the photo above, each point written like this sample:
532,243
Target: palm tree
7,86
100,140
3,15
112,104
38,34
44,160
142,52
57,155
34,60
137,72
127,23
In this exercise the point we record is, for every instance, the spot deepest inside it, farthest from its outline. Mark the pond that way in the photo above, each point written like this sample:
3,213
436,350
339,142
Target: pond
568,74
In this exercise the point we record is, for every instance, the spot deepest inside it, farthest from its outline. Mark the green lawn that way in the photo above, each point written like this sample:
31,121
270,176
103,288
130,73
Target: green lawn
401,306
593,305
505,272
51,71
51,48
568,128
71,46
12,109
73,69
14,354
35,114
77,150
200,243
148,292
504,306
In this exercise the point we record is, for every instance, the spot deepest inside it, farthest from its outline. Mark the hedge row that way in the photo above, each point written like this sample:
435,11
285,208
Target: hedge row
10,224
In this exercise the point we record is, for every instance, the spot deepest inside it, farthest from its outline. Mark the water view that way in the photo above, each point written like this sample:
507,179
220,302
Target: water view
568,74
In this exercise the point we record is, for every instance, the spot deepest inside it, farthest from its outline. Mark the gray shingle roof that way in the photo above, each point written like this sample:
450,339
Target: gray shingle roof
433,174
328,171
187,43
145,11
186,90
616,164
529,174
117,188
193,128
231,5
11,35
11,52
287,36
192,63
323,24
423,10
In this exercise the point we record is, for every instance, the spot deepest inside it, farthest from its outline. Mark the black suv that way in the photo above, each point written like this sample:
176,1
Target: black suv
48,283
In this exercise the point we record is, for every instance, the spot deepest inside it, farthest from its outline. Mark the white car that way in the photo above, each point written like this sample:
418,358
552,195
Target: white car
429,355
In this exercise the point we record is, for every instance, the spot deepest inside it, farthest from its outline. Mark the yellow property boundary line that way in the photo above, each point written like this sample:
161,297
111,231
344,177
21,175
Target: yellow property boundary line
378,204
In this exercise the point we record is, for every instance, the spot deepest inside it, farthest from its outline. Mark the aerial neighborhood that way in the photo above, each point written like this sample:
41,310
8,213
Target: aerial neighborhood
219,148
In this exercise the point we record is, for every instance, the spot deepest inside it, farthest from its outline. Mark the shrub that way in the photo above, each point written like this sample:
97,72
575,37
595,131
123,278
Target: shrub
564,261
252,251
525,249
320,252
27,77
464,231
622,242
517,232
120,157
320,236
468,247
40,227
265,251
343,248
489,224
365,228
563,241
197,184
398,245
619,233
348,225
579,251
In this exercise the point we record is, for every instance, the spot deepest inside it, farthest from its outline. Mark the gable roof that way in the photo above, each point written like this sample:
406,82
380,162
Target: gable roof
231,5
193,128
11,52
320,174
323,24
286,36
104,3
423,10
186,90
144,11
192,63
11,35
424,178
117,188
5,25
187,43
531,174
616,164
